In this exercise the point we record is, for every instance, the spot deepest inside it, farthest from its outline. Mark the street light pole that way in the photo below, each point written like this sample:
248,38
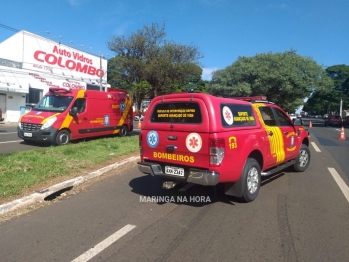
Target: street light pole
340,109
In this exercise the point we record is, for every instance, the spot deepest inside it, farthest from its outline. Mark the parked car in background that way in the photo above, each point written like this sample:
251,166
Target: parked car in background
333,120
1,119
325,116
346,121
138,117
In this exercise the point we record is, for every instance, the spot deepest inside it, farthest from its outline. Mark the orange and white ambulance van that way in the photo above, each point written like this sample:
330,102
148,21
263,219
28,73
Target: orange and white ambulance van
65,114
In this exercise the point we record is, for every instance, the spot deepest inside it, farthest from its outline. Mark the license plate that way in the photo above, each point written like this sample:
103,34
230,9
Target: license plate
28,134
175,171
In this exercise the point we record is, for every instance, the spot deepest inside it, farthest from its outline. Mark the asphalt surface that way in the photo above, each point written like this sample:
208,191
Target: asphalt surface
296,217
10,142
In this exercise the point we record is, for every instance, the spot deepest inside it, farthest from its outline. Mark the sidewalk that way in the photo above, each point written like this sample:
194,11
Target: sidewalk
41,195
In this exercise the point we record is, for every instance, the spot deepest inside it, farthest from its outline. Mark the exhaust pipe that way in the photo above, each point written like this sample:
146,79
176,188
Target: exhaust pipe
168,185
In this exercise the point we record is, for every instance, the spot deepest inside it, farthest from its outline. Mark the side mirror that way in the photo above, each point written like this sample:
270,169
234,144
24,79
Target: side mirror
298,122
73,111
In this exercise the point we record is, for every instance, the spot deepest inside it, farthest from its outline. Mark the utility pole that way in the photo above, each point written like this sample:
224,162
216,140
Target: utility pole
100,78
340,108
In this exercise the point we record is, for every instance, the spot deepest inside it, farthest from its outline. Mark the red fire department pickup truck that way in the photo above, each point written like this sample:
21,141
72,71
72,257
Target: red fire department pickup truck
202,139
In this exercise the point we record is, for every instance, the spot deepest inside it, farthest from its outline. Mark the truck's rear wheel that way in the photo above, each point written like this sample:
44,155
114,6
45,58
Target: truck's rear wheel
251,180
63,137
303,159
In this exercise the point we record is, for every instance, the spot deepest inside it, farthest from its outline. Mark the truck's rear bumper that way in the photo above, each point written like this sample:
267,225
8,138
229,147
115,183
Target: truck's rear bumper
195,176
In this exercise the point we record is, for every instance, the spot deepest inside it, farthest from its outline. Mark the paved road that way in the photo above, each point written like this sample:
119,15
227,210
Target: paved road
296,217
9,141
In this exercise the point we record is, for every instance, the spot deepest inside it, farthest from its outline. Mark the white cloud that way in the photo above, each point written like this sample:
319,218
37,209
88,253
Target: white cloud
207,73
121,29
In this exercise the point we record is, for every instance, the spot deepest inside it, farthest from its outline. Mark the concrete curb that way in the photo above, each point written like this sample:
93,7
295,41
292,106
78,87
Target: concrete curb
42,194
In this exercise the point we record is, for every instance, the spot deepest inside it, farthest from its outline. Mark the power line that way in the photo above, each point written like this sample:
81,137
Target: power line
30,34
9,28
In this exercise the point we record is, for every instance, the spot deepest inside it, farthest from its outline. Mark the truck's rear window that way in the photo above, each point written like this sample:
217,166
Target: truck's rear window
178,112
233,115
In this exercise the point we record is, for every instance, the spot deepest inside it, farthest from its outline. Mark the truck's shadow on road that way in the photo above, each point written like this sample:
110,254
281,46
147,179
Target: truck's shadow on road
150,189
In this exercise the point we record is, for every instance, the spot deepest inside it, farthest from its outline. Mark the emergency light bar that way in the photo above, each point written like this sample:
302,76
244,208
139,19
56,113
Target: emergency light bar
251,98
59,90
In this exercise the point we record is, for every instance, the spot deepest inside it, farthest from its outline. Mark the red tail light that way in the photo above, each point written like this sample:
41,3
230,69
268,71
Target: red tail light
217,149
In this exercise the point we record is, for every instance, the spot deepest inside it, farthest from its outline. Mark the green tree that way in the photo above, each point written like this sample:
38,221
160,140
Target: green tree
285,78
329,101
340,76
147,57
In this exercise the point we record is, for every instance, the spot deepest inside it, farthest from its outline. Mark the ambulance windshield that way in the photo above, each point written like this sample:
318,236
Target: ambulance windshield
51,103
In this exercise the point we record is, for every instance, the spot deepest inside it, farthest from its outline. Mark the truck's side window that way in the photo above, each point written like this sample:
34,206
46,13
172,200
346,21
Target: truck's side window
235,115
80,103
267,115
283,119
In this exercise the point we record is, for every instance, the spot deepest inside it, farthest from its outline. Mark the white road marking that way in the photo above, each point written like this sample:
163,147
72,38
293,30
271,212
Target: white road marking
104,244
11,141
8,133
315,147
342,185
187,186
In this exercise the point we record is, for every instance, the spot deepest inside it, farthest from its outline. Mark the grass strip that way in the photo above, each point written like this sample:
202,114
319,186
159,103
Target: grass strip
22,170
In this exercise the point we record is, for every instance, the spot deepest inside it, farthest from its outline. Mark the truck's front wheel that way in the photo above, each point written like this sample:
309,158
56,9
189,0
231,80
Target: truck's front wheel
251,180
303,159
63,137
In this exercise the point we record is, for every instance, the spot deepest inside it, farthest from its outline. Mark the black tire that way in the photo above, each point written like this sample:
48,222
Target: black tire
63,137
303,159
123,131
251,180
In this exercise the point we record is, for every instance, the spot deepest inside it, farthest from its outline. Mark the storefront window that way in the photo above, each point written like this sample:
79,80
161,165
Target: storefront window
34,96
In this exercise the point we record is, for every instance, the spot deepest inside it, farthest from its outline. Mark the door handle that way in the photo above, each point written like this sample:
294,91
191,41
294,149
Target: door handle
286,133
172,148
85,118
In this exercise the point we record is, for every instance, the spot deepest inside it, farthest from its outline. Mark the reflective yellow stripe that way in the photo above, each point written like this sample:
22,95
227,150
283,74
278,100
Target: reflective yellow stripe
68,118
45,120
276,141
128,103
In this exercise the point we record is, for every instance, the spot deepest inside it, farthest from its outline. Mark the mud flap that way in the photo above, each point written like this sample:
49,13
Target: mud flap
234,189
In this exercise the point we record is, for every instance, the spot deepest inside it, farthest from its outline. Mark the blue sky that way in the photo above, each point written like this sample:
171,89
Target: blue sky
223,30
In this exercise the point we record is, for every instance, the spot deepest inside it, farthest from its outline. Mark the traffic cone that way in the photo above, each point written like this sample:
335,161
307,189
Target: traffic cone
310,125
139,123
342,135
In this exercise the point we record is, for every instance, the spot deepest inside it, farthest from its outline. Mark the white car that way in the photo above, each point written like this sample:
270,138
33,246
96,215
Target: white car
292,116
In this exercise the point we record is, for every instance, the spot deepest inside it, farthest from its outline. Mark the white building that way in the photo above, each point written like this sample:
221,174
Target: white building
30,64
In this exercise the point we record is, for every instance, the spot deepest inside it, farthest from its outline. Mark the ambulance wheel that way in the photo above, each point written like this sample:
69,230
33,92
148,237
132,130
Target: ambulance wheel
123,131
63,137
251,180
303,159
